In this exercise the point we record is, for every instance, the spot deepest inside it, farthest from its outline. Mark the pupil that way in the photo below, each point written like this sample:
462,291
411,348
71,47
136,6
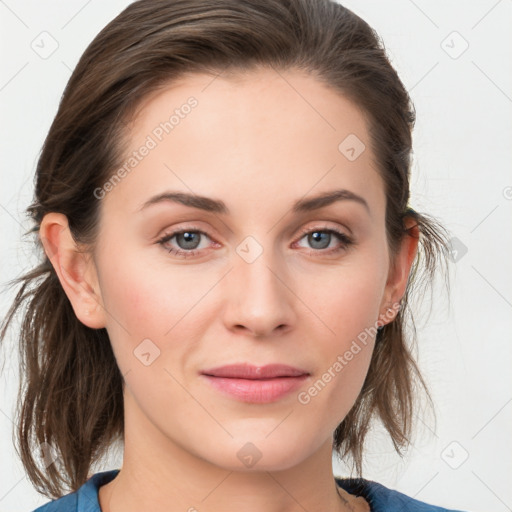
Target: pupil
317,236
189,239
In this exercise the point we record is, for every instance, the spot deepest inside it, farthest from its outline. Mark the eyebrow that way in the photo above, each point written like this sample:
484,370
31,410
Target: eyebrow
218,206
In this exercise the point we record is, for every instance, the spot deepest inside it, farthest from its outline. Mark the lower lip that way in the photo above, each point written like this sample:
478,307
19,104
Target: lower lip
256,391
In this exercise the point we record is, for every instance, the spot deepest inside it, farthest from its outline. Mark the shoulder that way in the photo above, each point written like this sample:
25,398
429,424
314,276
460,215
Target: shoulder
84,499
67,503
383,499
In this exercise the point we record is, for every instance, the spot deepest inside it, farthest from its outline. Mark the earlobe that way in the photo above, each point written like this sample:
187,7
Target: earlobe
74,268
399,274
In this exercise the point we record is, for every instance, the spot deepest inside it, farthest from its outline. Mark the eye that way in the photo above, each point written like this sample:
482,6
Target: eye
320,239
188,241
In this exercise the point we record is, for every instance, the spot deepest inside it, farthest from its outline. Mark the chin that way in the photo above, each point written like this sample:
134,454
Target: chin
258,453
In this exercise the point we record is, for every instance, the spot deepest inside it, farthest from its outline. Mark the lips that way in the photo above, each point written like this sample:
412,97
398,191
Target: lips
250,372
255,384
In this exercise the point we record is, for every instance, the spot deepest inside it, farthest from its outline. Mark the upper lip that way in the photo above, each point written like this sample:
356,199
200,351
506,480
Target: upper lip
248,371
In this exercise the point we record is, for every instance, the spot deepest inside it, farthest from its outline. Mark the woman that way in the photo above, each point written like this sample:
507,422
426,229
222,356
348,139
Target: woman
222,200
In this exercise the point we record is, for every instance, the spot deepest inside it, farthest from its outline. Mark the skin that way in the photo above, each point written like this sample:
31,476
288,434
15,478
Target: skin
252,138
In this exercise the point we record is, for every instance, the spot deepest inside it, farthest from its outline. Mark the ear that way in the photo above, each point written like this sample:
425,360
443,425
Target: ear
399,273
75,269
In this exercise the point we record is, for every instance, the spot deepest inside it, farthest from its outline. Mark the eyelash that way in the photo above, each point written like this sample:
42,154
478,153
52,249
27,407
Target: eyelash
346,241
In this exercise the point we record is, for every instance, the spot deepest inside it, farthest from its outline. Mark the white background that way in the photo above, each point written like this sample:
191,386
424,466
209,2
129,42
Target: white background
461,175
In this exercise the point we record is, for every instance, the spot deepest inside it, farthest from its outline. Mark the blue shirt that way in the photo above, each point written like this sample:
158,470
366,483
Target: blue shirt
380,498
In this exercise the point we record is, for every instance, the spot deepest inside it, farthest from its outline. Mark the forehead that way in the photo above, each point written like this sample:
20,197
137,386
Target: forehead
253,133
261,99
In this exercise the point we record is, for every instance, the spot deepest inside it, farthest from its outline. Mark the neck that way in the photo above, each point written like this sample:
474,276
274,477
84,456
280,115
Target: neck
159,475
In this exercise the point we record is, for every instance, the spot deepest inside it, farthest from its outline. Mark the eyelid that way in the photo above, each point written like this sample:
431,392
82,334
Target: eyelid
303,231
324,227
174,231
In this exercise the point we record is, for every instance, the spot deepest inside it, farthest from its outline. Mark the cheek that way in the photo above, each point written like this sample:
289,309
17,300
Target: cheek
160,304
343,357
150,300
348,306
347,301
137,308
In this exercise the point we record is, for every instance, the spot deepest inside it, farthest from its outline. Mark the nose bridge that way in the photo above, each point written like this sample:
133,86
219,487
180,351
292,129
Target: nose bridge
260,298
257,264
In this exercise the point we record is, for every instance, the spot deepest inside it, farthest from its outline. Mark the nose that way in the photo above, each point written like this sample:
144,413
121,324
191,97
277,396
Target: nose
259,296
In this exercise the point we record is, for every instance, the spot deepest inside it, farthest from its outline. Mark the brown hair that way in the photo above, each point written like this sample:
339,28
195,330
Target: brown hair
71,392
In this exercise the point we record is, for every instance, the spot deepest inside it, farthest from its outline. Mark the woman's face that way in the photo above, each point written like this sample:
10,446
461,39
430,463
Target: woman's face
258,277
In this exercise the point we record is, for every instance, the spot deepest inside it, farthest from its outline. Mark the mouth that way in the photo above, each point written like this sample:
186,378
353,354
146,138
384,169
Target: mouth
249,371
255,384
